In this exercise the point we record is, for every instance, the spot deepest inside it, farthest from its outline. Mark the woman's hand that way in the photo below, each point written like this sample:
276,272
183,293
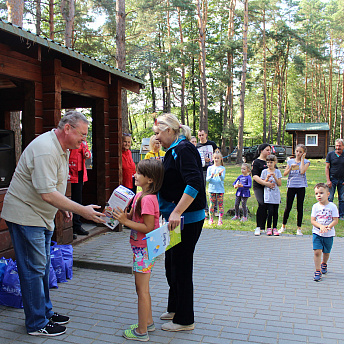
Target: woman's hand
173,220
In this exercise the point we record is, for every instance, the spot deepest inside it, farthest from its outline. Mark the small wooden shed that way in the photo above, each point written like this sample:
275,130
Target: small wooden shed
39,78
313,135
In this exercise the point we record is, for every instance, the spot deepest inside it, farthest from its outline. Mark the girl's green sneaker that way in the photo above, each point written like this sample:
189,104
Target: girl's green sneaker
133,335
150,328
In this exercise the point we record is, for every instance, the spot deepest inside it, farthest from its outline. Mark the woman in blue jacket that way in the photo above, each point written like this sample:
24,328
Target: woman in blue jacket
182,193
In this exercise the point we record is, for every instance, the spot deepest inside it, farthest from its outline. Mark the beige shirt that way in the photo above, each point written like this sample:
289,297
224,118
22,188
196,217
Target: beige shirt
42,168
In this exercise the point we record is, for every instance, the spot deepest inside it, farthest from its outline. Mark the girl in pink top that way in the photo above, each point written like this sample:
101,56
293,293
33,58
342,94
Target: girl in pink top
142,219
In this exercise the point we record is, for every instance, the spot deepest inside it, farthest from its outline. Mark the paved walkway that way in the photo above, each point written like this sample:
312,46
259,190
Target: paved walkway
247,290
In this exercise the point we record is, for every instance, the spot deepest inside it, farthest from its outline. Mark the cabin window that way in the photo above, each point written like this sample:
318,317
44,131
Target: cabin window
311,139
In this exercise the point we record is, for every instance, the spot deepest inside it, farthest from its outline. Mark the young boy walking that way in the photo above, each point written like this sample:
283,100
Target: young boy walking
323,218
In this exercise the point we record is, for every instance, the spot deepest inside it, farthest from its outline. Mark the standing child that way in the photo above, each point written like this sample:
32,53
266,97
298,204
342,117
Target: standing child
272,196
216,188
296,184
243,184
323,218
142,219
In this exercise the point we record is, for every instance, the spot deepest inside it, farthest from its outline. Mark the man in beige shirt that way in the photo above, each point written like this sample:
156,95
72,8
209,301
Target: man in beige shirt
36,193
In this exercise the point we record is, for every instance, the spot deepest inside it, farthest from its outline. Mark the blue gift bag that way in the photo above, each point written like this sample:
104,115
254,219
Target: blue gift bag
3,266
10,292
67,254
52,278
58,263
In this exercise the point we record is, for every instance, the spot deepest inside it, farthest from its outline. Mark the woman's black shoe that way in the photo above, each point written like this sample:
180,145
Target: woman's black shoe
80,231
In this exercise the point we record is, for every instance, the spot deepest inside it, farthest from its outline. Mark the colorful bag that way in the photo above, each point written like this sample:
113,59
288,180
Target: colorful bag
57,262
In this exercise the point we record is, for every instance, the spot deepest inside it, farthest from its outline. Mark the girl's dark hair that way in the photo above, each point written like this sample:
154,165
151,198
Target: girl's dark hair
260,149
154,169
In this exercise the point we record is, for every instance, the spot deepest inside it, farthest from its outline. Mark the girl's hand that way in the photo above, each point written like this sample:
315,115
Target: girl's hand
120,215
240,185
303,155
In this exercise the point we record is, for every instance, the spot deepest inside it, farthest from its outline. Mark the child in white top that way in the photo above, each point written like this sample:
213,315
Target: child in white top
216,187
272,196
142,219
323,218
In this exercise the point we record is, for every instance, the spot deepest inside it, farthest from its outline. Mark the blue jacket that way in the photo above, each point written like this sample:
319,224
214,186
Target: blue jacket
216,182
183,174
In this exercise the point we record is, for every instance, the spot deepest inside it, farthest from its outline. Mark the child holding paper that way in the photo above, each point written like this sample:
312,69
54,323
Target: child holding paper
142,219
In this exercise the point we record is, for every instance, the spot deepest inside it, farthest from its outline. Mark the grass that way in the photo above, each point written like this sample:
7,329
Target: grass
315,174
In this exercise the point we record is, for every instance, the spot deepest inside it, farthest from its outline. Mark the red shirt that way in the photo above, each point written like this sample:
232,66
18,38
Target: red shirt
77,160
128,169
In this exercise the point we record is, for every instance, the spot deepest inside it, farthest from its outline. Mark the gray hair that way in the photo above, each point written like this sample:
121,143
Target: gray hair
72,117
341,141
168,120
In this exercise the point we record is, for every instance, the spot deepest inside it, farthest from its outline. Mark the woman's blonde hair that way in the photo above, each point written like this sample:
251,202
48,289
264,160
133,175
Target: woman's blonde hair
167,120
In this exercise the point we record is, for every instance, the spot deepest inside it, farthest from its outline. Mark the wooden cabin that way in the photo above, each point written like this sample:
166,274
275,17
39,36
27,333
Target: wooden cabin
313,135
40,78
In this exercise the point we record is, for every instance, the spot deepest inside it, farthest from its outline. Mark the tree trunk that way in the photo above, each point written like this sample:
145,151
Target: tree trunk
51,19
182,100
15,16
243,86
330,93
120,57
342,110
202,14
168,74
228,103
270,134
68,14
265,85
38,17
152,88
305,90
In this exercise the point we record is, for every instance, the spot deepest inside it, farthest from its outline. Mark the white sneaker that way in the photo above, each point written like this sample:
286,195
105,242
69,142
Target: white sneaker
167,316
299,232
170,326
282,230
257,231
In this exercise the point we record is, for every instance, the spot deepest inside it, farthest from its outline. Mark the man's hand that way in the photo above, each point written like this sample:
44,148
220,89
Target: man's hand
89,213
67,215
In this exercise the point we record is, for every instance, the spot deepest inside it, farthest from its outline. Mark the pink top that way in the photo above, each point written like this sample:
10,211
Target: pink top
149,206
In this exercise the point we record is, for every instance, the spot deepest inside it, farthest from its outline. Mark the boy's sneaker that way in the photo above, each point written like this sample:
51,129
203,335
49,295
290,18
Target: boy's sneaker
243,219
133,335
299,232
150,328
282,230
275,232
317,276
59,319
257,231
269,231
323,268
50,329
235,218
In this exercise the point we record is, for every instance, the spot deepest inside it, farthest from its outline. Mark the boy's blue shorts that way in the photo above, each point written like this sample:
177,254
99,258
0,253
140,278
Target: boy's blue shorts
322,243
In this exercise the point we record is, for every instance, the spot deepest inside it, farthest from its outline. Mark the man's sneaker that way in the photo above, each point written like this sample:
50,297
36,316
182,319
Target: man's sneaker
269,231
299,232
282,230
59,319
167,316
133,335
150,328
275,232
243,219
50,329
317,276
171,326
257,231
235,218
324,268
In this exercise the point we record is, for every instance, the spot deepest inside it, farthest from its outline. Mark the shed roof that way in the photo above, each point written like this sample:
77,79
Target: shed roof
50,44
307,127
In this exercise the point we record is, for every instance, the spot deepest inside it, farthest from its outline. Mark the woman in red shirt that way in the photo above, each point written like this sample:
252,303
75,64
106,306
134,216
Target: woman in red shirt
128,165
77,177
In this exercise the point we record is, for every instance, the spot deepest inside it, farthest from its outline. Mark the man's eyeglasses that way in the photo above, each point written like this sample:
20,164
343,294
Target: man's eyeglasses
81,134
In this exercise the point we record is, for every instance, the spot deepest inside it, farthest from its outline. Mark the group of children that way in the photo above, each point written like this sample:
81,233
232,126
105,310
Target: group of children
324,214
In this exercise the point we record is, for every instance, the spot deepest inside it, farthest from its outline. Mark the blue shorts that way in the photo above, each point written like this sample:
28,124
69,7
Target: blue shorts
322,243
141,263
